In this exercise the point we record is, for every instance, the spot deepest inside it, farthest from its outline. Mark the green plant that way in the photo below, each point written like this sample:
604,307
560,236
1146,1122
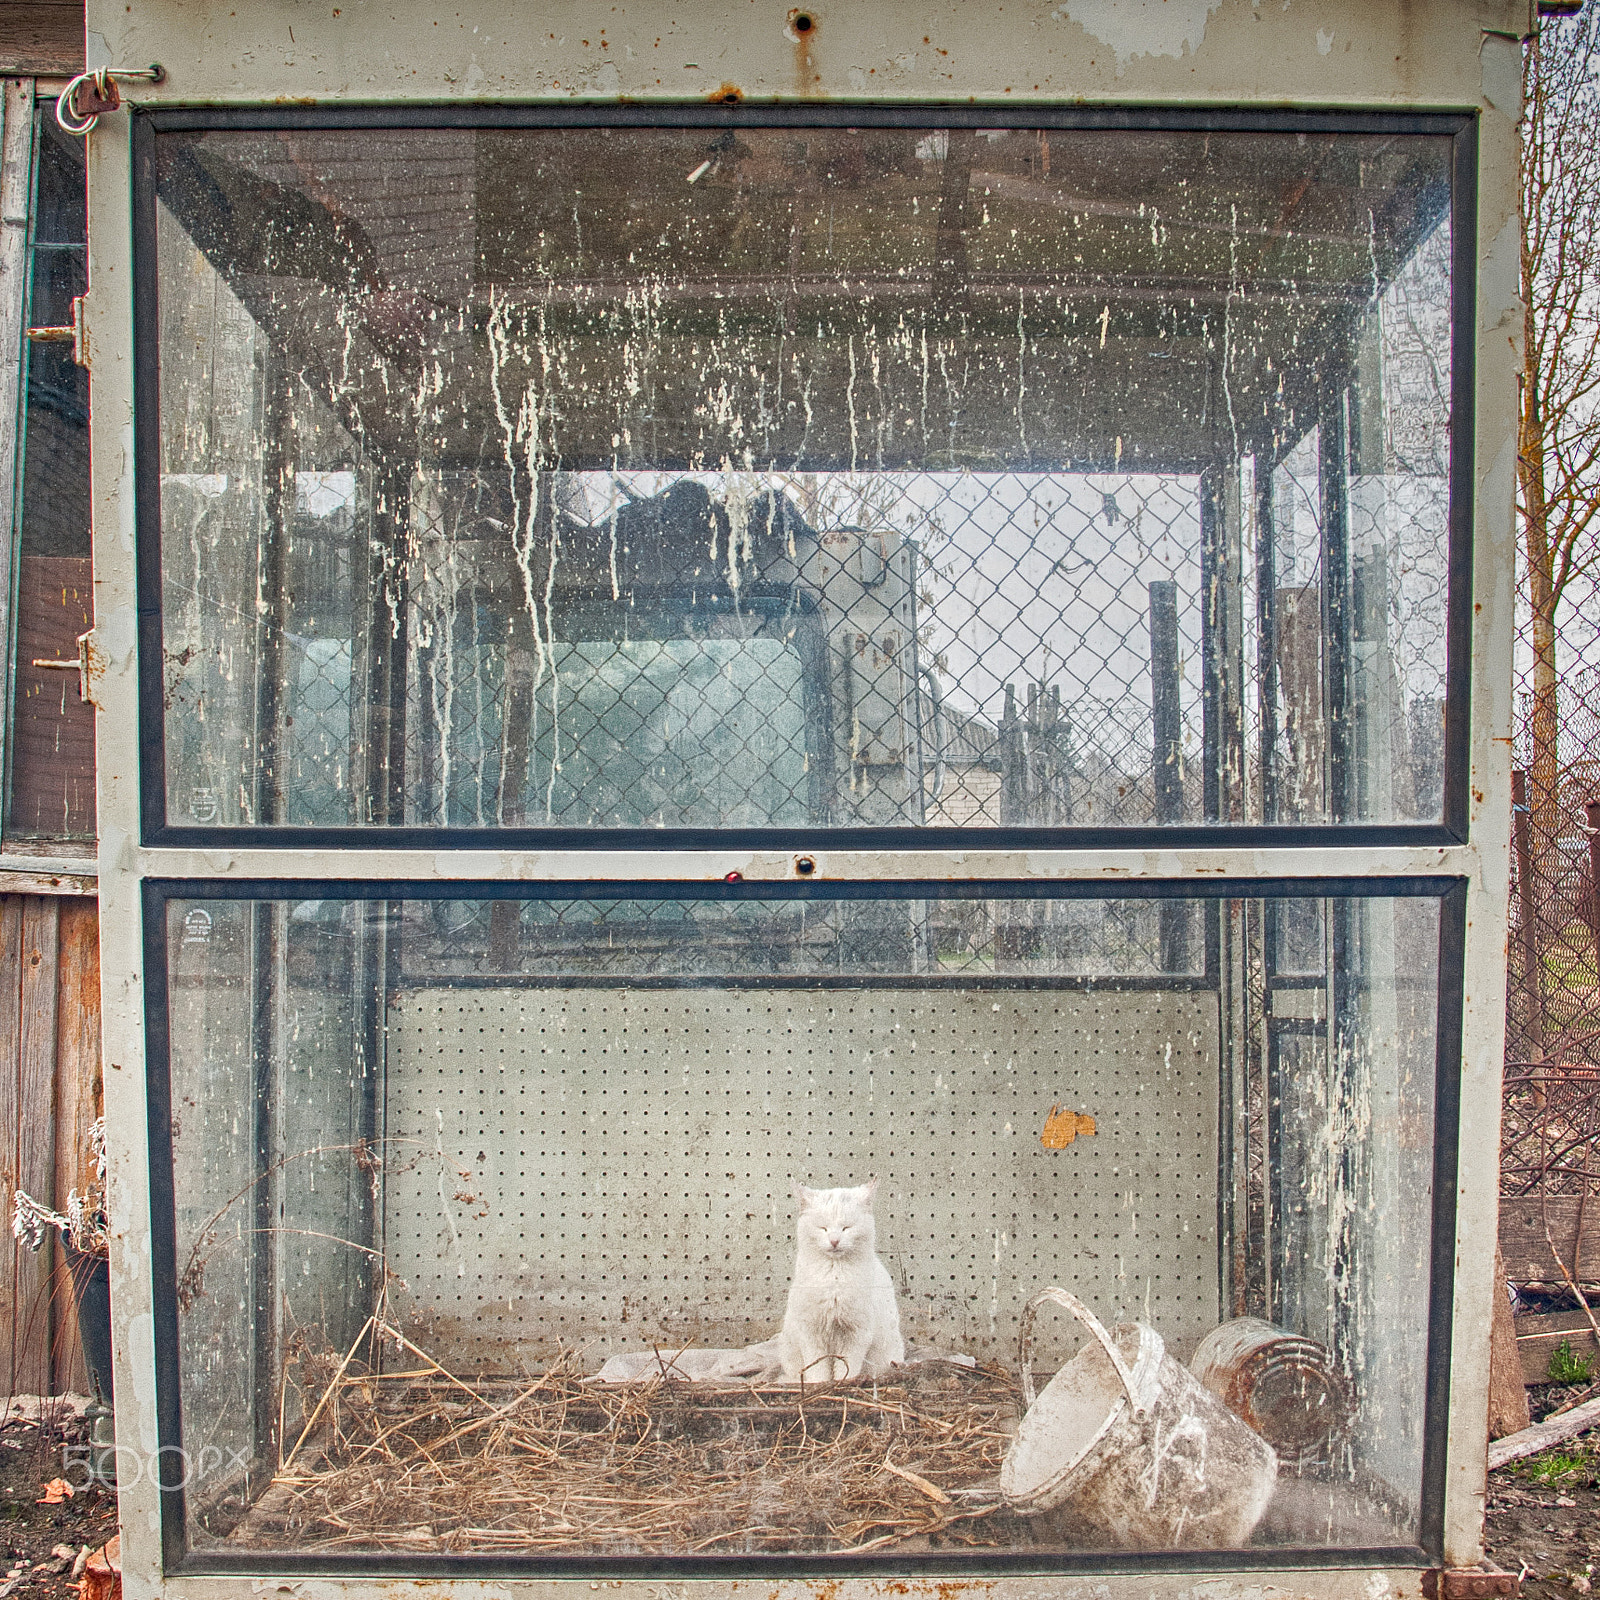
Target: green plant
1557,1466
1567,1366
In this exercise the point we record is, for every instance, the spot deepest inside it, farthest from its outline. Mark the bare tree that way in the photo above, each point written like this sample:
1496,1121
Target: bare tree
1559,435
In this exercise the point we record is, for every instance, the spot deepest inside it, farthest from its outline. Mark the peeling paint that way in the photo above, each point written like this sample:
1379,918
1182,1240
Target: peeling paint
1134,28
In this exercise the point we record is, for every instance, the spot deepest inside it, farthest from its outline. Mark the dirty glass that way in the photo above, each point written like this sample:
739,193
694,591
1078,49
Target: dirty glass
51,752
485,1222
741,476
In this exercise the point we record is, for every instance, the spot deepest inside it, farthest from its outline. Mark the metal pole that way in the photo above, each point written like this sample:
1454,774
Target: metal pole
1013,773
1532,975
1267,638
1333,471
274,699
1167,754
1591,815
1213,645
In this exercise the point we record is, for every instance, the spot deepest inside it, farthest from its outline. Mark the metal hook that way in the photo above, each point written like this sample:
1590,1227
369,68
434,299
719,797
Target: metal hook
103,96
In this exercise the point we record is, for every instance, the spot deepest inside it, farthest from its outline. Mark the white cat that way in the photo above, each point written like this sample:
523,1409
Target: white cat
842,1320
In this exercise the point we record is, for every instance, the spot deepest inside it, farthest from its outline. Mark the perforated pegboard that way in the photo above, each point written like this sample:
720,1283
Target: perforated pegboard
631,1154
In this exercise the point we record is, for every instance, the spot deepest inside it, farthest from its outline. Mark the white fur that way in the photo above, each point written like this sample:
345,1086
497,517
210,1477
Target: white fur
841,1320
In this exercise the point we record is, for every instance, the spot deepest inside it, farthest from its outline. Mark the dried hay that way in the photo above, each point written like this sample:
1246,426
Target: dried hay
423,1460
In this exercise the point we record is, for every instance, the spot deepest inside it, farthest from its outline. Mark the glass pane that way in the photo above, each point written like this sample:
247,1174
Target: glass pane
458,1181
713,477
52,726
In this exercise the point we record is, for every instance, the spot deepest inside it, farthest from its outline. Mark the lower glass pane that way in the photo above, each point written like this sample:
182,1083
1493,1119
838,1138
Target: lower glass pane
716,1226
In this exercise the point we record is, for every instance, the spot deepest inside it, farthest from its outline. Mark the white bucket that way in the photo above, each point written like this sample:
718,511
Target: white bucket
1129,1441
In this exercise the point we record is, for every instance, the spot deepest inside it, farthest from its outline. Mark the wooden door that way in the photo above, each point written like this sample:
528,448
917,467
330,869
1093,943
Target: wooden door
49,1096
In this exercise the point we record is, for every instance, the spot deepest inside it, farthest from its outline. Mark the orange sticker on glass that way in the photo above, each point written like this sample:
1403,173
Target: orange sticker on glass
1062,1127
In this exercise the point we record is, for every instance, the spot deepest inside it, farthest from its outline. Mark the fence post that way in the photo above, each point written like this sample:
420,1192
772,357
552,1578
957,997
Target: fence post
1591,814
1013,752
1167,752
1532,976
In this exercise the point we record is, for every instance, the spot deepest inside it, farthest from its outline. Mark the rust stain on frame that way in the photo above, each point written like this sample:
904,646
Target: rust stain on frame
802,29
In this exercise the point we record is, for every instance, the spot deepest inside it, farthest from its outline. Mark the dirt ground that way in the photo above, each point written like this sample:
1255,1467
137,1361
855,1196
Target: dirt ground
42,1543
1544,1513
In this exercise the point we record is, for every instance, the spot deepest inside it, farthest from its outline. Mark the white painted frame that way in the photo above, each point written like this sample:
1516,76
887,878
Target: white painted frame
1456,55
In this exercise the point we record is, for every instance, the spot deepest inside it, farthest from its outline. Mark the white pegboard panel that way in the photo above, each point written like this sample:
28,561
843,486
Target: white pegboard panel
631,1152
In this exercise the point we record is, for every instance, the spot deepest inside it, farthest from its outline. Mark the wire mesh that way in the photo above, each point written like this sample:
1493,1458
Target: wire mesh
923,648
1551,1127
943,649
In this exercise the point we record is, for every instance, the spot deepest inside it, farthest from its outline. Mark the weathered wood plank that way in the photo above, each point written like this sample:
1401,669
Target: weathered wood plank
1527,1252
41,36
52,728
36,1137
1539,1336
78,1098
45,880
16,176
12,1254
1542,1435
1508,1395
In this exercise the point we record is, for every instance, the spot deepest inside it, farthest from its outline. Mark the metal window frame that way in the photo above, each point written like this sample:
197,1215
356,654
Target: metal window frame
180,1561
19,165
29,863
1453,827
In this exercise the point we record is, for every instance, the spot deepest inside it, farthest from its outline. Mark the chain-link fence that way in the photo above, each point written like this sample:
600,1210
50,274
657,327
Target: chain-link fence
1551,1137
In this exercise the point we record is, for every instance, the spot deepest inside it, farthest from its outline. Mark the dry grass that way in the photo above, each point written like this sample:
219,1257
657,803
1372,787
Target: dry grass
422,1460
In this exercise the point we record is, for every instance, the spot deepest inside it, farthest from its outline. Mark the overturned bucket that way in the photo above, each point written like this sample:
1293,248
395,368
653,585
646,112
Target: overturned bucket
1129,1441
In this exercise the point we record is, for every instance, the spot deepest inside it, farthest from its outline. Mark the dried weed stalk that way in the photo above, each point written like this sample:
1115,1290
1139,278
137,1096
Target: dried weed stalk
420,1459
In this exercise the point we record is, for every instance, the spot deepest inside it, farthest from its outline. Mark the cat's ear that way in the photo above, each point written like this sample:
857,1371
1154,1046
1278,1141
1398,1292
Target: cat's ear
867,1190
803,1196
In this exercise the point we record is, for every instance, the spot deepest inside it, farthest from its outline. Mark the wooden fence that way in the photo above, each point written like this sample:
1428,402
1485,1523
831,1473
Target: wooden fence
49,1096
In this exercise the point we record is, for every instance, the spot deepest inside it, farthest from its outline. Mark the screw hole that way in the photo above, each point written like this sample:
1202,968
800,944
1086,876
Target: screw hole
802,22
805,866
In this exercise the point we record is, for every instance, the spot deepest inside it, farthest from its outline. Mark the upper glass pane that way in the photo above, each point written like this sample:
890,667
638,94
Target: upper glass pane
732,477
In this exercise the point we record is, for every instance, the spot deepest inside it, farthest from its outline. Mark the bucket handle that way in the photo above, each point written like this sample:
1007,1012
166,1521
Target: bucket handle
1062,1297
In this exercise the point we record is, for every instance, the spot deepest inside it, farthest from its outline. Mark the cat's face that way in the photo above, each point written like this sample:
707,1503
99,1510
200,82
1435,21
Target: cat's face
836,1222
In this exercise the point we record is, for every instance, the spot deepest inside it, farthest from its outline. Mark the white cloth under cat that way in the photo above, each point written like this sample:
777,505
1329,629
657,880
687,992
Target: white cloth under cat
756,1363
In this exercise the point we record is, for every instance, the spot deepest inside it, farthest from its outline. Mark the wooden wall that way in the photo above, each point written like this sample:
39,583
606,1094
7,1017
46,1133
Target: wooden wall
1534,1230
49,1095
52,729
43,36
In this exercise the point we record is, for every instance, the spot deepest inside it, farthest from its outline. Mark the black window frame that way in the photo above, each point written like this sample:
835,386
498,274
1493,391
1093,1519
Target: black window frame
1452,829
32,390
1439,1269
